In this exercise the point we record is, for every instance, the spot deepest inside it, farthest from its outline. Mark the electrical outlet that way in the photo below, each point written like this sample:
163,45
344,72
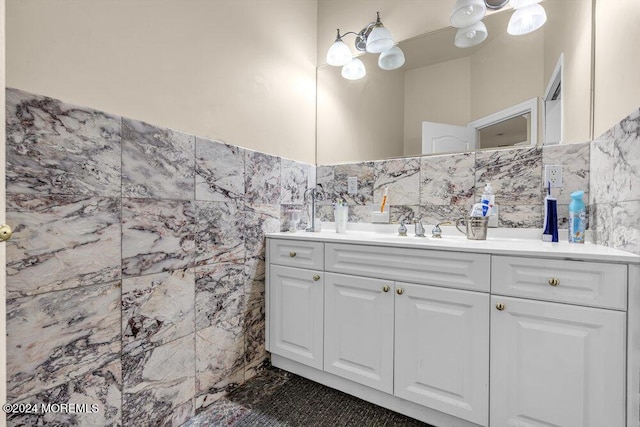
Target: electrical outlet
352,185
553,175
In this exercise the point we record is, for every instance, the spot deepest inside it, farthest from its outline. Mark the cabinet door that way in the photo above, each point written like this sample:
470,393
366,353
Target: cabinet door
442,350
296,305
359,330
556,364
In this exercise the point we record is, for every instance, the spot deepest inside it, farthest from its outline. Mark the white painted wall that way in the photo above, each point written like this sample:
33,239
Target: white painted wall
617,64
240,71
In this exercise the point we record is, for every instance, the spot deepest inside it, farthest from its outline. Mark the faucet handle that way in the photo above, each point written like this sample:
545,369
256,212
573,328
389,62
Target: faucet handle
402,230
437,231
419,227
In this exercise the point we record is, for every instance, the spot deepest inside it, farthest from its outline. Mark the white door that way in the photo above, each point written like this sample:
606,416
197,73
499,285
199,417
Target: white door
444,138
359,330
556,365
442,350
295,307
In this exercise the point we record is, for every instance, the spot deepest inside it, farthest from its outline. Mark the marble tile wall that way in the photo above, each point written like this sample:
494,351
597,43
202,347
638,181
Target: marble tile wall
444,187
615,185
135,276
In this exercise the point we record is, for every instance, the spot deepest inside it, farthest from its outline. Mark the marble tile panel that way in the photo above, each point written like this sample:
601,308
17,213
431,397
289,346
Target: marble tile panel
259,220
295,180
61,242
157,162
601,223
407,214
447,179
626,173
520,216
629,127
434,214
401,177
56,148
515,175
626,226
157,235
334,182
225,413
154,394
219,171
219,232
254,336
254,285
156,309
601,170
102,387
574,159
219,293
58,336
219,356
262,178
325,213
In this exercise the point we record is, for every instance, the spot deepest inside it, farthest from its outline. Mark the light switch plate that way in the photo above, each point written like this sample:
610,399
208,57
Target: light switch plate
352,185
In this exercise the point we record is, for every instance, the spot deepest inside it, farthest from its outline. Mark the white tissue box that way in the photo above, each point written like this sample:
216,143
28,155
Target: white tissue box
378,217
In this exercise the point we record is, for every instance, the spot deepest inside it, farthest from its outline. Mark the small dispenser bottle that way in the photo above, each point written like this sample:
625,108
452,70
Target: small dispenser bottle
488,201
577,218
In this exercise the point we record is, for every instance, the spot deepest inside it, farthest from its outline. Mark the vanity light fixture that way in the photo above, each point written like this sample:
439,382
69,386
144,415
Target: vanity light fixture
374,38
471,36
467,12
528,17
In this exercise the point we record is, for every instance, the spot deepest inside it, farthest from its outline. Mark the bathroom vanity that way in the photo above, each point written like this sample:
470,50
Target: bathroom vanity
456,332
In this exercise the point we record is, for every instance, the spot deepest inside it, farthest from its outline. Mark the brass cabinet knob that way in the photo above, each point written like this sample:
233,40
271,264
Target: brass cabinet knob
385,288
400,291
554,281
316,277
5,232
292,254
500,306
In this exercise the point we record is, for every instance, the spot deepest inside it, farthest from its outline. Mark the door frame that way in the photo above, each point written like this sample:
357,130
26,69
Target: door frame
529,106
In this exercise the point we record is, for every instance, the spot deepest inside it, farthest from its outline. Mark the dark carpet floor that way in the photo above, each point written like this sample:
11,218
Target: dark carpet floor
278,398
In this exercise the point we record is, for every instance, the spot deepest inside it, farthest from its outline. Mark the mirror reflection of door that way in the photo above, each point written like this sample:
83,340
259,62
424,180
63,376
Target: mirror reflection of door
513,131
445,138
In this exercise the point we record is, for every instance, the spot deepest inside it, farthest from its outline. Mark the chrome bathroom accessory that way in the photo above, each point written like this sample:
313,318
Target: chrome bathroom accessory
476,227
436,232
419,227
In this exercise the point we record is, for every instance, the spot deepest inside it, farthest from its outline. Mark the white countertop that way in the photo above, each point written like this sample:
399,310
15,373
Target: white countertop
505,241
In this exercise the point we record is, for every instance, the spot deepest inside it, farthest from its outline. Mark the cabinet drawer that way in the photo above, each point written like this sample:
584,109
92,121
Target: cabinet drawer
296,253
574,282
441,268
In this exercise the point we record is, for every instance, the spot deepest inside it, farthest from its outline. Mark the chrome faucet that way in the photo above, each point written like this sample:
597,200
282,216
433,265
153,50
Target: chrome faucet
437,231
313,194
402,230
419,227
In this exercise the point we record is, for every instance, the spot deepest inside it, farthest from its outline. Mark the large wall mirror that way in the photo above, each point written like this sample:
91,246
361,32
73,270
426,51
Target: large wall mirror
381,116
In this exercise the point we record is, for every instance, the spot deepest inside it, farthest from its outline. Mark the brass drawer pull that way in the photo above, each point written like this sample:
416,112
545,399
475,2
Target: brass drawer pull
316,277
400,291
292,254
385,288
500,306
554,281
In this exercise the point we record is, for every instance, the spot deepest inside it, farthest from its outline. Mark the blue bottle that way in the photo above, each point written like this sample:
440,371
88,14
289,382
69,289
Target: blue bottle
577,218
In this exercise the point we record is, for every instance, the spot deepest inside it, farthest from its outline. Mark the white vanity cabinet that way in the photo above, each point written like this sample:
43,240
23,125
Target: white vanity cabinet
358,332
296,295
442,350
558,363
461,338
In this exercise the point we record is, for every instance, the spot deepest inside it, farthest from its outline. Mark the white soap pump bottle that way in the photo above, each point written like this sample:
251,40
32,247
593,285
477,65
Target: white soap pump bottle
489,209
